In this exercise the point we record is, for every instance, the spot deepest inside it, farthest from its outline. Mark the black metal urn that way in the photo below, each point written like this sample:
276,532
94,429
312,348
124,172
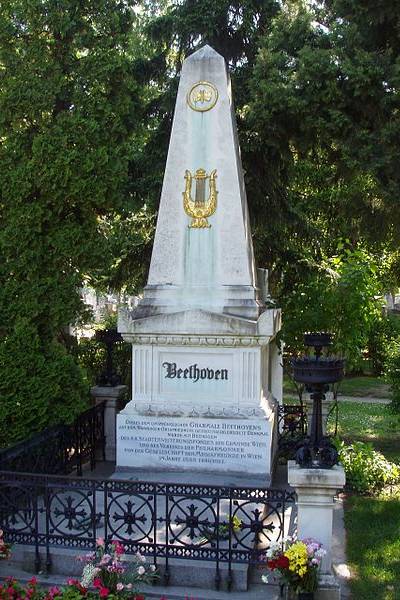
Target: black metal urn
317,373
109,337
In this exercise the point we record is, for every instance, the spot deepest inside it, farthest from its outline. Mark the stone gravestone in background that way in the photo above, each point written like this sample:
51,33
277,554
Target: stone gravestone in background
206,370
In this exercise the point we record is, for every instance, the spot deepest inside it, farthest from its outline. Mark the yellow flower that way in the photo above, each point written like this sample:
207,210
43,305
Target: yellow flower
298,558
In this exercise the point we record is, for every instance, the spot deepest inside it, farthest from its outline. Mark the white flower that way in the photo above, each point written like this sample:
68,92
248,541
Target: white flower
264,578
88,574
120,587
152,568
141,570
140,558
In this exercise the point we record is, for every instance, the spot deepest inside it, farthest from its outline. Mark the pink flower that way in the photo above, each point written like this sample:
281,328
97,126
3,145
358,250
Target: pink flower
105,559
87,557
97,582
118,547
32,581
100,541
120,587
104,592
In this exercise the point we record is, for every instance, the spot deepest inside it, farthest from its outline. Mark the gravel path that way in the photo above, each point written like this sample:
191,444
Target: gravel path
359,399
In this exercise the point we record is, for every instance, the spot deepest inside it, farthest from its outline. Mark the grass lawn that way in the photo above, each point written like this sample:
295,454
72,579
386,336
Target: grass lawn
373,547
374,423
352,386
373,524
364,386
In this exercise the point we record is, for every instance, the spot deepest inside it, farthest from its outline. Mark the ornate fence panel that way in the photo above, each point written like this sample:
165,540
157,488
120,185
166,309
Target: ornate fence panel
60,449
162,521
292,427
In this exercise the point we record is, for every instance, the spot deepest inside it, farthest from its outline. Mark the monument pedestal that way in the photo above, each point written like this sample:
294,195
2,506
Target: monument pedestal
201,401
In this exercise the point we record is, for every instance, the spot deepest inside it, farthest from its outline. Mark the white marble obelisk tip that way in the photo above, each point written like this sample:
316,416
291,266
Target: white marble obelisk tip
205,53
210,267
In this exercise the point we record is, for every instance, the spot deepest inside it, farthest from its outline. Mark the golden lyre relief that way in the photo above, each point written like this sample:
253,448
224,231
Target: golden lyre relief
202,96
200,208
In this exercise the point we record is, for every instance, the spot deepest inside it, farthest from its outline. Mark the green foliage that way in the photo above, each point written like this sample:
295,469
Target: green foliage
323,115
367,471
383,332
91,356
40,386
68,105
392,372
339,295
319,168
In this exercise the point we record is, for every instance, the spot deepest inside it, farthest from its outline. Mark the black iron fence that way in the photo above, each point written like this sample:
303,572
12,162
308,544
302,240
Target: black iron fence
292,427
60,449
223,525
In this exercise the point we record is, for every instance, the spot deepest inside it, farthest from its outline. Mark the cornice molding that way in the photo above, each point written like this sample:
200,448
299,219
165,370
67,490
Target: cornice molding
197,340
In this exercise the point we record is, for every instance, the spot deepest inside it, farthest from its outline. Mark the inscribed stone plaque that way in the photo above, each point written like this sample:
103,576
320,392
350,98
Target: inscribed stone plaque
195,375
218,445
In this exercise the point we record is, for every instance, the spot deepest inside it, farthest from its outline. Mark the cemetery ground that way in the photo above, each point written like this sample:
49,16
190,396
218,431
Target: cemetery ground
372,522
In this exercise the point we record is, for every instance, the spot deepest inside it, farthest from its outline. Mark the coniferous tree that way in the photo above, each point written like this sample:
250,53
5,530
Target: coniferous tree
68,104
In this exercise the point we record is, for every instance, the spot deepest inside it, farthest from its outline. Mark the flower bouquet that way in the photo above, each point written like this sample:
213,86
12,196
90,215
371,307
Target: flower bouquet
297,565
5,549
110,572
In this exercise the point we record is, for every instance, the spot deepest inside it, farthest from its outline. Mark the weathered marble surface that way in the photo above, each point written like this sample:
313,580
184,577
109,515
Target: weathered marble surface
209,268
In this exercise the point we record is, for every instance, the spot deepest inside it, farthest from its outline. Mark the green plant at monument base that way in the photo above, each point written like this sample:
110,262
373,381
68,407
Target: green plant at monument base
68,108
367,471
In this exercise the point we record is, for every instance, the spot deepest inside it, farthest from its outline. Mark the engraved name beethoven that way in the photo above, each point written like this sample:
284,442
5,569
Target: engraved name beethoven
193,372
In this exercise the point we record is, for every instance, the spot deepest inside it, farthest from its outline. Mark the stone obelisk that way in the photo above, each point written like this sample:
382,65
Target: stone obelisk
206,370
